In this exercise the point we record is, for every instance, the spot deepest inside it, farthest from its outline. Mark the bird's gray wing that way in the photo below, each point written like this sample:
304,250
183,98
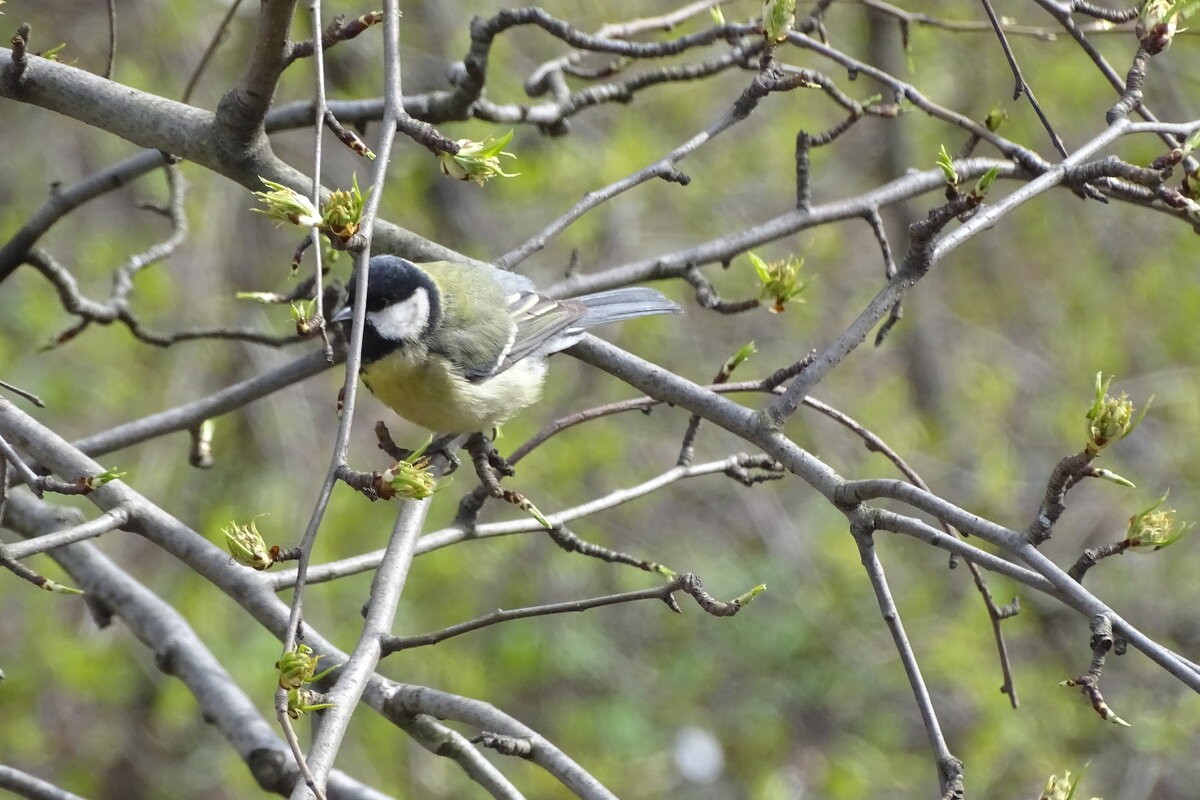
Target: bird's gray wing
536,321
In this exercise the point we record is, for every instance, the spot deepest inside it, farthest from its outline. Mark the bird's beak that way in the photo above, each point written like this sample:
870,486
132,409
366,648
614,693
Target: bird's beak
345,315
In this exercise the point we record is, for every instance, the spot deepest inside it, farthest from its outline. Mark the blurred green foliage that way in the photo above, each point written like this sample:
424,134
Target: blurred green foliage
982,387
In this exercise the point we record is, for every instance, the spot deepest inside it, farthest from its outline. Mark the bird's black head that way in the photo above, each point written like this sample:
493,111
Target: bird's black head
402,303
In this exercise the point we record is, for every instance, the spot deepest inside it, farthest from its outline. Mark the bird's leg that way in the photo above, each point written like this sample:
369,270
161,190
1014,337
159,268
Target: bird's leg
489,464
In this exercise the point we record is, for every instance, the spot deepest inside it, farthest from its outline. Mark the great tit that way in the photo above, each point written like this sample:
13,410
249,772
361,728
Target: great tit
460,348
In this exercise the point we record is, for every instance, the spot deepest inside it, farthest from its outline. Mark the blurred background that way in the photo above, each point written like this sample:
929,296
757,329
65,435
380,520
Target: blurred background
982,387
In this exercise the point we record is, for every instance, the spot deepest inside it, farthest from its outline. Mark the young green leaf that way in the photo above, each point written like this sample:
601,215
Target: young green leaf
947,165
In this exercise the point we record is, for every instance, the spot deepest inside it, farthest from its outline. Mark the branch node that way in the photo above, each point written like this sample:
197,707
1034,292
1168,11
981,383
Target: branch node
505,745
20,62
675,176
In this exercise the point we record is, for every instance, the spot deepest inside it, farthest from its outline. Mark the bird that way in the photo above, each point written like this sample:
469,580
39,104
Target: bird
461,348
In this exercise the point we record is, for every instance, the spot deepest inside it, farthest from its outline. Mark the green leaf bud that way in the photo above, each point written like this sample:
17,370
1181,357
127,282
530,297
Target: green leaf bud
1157,22
1154,529
246,545
343,211
778,18
301,700
297,667
1111,419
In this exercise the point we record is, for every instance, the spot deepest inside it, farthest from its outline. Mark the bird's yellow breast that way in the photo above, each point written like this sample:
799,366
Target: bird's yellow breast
432,394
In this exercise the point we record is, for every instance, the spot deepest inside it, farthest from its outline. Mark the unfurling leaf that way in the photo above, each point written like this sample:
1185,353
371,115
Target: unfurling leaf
779,280
1109,418
246,545
1154,529
284,204
477,161
985,182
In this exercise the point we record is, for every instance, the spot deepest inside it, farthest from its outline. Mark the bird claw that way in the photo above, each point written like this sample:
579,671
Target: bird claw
443,446
500,463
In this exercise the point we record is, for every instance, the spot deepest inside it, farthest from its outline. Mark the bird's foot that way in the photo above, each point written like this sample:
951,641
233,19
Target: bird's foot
490,466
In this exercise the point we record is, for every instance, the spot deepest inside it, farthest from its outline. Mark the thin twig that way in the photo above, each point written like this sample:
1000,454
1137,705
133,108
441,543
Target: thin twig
687,448
25,785
1131,95
996,614
17,390
213,43
1094,555
27,475
981,26
1022,86
352,677
111,520
1065,475
949,768
566,539
20,56
338,31
315,783
876,222
25,573
115,309
112,39
394,644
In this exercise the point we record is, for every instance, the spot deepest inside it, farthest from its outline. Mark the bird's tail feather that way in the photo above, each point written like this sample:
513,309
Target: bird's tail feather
615,305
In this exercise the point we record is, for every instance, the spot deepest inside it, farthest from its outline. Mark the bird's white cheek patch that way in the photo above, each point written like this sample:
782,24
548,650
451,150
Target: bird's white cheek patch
402,321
